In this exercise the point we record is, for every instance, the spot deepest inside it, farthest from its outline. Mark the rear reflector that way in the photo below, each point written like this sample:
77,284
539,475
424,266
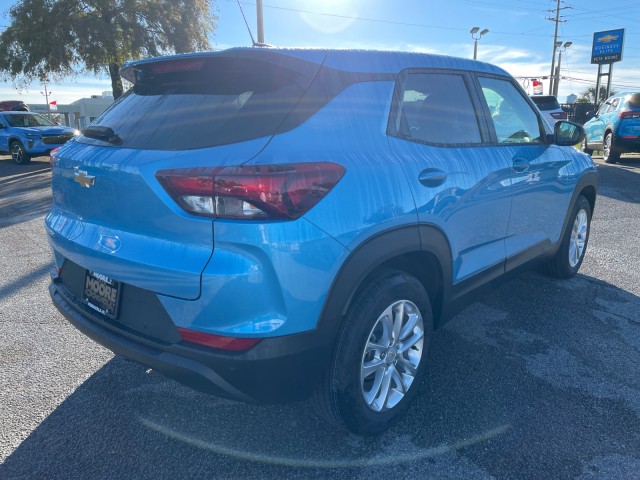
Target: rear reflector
232,344
271,192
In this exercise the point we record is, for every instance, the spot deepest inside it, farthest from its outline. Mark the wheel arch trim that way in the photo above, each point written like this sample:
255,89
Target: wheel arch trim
12,139
375,253
586,186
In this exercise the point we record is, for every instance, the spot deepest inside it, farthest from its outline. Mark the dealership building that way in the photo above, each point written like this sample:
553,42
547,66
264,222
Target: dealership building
78,114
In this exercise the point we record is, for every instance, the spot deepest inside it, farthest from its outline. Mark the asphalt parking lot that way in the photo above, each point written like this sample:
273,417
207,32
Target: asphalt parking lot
541,379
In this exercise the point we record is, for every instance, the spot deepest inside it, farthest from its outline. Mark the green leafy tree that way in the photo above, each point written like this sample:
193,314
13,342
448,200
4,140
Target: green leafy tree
52,39
589,95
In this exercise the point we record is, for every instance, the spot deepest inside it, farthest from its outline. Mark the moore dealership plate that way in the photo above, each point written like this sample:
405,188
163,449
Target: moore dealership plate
102,293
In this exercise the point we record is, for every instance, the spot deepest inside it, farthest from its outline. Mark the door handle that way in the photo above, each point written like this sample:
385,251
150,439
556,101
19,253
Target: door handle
521,165
432,177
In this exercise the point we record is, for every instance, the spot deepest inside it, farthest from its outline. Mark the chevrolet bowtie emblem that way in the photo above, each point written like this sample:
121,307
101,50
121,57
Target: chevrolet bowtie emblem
87,181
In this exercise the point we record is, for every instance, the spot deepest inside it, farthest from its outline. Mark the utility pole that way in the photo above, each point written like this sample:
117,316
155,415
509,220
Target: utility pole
260,22
555,43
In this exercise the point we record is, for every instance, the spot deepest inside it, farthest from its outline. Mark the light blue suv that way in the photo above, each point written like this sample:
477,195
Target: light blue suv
272,224
615,128
26,135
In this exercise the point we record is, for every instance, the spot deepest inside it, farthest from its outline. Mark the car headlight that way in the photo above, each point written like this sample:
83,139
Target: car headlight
32,138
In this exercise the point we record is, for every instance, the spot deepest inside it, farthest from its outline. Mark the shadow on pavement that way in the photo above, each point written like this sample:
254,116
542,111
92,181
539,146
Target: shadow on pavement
21,191
537,381
622,180
7,289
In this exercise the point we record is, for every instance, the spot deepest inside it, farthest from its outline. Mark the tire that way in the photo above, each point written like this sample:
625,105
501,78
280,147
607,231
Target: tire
609,152
375,373
586,149
18,153
568,258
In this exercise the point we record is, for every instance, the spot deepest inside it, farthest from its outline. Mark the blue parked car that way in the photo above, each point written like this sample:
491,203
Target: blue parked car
272,224
26,135
615,128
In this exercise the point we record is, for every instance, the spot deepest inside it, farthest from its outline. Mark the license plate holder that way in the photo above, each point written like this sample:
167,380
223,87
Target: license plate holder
102,294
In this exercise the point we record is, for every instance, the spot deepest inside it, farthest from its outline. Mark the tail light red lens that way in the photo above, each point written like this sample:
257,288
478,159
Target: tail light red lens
629,114
52,155
233,344
273,192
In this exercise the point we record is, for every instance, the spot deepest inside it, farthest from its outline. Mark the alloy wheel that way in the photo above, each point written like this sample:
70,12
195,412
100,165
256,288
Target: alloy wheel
16,152
606,147
578,238
391,356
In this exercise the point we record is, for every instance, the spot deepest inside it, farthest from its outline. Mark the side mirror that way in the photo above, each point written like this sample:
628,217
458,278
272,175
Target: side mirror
589,115
566,134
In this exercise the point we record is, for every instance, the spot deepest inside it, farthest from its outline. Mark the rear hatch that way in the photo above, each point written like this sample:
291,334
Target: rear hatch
629,127
111,215
549,105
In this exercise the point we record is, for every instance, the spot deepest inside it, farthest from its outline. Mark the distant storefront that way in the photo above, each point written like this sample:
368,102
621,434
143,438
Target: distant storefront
78,114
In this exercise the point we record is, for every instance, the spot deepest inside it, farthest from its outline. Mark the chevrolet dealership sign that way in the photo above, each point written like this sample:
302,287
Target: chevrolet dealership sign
607,46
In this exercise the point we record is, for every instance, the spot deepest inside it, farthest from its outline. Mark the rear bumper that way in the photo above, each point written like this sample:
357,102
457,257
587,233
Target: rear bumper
276,370
628,145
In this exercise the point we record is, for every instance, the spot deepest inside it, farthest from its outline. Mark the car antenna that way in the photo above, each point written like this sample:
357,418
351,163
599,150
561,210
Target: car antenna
253,42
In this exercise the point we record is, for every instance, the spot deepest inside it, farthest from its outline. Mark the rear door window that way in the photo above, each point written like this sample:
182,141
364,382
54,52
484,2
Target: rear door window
614,105
514,120
436,108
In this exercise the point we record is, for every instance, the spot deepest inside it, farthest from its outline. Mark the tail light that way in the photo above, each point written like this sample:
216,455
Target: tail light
629,114
272,192
52,156
233,344
559,115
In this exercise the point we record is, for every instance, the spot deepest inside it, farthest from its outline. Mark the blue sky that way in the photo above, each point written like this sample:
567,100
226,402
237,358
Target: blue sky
520,38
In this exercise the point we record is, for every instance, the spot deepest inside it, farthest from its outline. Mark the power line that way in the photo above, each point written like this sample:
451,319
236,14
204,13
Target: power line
377,20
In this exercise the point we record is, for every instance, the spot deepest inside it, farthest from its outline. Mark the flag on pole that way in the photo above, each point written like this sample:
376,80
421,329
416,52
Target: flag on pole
53,106
537,86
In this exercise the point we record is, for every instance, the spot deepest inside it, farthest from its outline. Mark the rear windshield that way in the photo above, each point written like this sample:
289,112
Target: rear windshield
224,100
633,101
546,103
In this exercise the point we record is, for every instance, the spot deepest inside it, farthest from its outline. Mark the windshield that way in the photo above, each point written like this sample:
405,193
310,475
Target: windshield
29,120
225,101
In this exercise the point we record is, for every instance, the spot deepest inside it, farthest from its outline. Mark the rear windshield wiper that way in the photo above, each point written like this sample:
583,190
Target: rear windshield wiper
105,134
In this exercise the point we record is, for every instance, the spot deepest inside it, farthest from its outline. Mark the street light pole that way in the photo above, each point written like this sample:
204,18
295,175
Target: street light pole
473,33
46,97
556,79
